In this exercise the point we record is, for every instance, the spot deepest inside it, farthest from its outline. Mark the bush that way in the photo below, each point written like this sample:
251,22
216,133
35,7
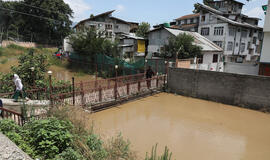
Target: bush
15,133
95,145
7,126
118,148
50,137
69,154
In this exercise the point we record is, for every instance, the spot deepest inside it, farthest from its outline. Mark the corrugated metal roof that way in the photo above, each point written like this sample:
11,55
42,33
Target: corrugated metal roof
199,40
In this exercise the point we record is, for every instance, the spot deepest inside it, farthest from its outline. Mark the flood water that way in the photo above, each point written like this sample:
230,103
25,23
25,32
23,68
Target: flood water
192,129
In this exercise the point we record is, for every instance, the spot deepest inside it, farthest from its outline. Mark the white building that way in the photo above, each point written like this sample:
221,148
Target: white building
238,35
212,53
265,57
105,22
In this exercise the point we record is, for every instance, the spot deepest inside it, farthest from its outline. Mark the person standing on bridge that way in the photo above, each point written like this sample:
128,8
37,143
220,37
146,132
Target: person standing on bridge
149,74
19,89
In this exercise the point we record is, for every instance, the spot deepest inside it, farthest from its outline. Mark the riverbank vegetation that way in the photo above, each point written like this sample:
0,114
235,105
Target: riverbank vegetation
64,135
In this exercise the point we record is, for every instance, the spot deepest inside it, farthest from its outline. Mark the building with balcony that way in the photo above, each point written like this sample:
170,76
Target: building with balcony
188,22
239,35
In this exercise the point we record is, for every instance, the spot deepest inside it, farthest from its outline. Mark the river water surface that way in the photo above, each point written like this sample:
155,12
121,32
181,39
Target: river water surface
192,129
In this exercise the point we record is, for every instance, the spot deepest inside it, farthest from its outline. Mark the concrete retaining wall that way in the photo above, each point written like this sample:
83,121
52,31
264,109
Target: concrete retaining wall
9,151
234,89
240,68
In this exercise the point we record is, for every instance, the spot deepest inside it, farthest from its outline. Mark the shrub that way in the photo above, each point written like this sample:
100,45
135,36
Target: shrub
69,154
50,137
15,133
118,148
95,145
7,126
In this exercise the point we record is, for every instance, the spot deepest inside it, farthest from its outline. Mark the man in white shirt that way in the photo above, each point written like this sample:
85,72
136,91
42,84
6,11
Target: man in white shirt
19,88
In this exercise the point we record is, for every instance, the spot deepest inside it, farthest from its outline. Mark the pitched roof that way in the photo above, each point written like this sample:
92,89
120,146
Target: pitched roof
199,40
220,14
237,23
188,16
223,0
91,18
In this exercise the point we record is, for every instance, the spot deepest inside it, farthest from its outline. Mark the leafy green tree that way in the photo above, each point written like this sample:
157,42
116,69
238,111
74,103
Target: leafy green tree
27,61
92,42
181,45
50,25
144,27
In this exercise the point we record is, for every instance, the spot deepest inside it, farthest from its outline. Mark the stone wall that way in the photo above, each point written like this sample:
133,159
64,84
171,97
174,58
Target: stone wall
9,151
22,44
234,89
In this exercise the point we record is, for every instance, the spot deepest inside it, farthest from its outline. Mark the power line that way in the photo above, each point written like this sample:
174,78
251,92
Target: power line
11,10
39,8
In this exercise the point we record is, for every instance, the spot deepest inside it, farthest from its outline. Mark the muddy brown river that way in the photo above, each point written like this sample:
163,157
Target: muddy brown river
192,129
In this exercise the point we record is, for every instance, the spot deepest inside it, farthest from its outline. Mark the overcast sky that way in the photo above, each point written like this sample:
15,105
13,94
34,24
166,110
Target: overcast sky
152,11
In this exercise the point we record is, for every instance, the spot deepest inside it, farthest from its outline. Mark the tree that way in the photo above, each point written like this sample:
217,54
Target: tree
46,22
143,28
91,42
183,46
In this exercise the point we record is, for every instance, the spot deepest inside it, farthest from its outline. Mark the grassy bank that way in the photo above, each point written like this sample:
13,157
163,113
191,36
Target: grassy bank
61,69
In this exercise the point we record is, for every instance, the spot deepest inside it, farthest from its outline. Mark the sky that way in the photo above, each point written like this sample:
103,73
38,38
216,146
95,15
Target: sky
151,11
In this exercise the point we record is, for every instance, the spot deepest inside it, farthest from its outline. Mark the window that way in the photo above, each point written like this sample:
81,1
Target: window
250,33
257,49
116,26
244,33
185,21
230,46
215,58
205,31
243,47
248,46
191,20
218,31
108,26
218,43
203,18
260,36
200,59
236,44
232,31
254,40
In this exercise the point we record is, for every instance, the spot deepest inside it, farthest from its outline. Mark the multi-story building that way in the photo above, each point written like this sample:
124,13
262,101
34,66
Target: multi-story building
188,22
265,57
105,22
239,35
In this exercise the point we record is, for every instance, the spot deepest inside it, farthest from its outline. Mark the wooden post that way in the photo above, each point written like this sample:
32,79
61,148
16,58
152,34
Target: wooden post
100,94
157,81
82,94
139,86
127,88
115,89
73,91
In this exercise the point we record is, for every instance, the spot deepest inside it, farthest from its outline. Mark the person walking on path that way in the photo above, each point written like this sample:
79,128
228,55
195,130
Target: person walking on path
149,74
19,89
